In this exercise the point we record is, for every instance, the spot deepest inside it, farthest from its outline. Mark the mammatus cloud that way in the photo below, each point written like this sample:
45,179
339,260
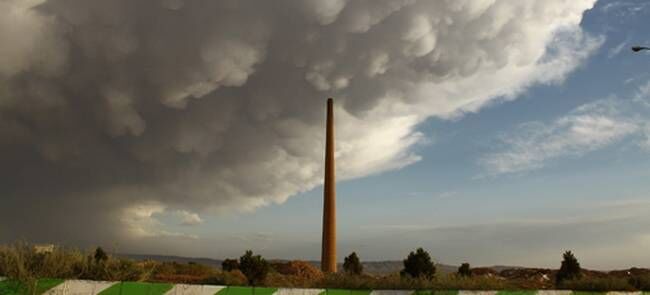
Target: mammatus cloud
589,127
120,109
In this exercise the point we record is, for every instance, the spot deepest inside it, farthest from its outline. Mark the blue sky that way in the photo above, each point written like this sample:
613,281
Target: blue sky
449,187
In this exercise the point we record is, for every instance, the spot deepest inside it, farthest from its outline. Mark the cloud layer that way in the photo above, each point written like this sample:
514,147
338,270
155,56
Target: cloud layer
586,227
590,127
111,111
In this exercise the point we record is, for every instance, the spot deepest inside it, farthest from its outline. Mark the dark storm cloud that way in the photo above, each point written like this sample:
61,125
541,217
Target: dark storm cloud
114,111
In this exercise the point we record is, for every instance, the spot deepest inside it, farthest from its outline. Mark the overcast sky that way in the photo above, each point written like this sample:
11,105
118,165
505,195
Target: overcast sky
488,132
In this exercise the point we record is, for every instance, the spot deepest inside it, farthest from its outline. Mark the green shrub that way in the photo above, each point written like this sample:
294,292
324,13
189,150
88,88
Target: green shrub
229,264
569,270
418,264
352,265
100,256
640,282
254,267
464,270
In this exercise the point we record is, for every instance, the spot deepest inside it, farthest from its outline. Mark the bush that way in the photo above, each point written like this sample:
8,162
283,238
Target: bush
597,284
418,264
300,269
464,270
254,267
100,255
229,265
190,273
344,281
352,265
454,282
640,282
570,269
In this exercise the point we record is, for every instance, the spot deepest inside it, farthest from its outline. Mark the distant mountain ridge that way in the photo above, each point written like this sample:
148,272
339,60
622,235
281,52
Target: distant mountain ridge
373,267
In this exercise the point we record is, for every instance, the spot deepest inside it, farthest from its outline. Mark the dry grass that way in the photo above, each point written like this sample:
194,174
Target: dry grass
599,284
20,262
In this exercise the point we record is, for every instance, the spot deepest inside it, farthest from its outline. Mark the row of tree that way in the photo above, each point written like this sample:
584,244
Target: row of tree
418,264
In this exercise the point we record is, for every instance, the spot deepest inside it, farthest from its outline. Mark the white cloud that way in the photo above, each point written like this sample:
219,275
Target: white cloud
189,218
616,50
142,221
624,9
590,127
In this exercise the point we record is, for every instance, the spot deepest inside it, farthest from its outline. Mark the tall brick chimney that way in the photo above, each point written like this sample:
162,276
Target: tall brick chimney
328,254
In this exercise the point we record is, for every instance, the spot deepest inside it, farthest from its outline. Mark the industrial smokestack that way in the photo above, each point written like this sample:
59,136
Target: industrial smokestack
328,254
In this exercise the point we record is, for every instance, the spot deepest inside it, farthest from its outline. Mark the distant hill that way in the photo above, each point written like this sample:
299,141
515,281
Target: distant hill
373,267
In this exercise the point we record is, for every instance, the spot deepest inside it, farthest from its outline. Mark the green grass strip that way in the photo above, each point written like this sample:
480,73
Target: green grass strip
10,287
264,291
246,291
134,288
236,291
45,284
445,292
360,292
423,292
517,292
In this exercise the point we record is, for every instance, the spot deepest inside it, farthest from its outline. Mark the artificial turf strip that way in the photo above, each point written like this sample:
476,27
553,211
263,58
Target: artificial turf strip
517,292
264,291
9,287
360,292
133,288
246,291
345,292
45,284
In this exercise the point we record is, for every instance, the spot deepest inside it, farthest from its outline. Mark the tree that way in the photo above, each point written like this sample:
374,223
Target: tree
418,264
254,267
100,255
229,265
569,270
352,265
464,270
